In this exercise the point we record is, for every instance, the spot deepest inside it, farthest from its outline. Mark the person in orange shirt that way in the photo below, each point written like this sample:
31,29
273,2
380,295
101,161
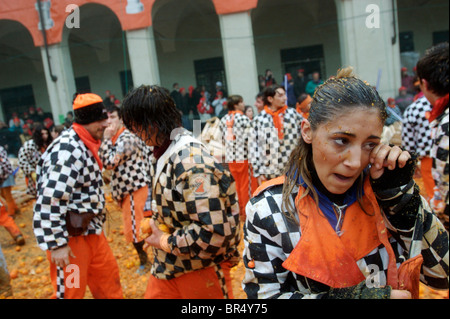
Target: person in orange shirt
345,220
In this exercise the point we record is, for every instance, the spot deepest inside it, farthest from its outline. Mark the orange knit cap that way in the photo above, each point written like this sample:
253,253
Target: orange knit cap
86,99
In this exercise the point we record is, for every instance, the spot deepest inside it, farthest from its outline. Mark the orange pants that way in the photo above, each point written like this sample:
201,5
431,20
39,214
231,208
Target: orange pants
133,212
94,265
208,283
7,222
246,184
426,164
6,193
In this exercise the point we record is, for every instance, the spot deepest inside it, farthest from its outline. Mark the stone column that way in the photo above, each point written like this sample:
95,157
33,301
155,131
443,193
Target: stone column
239,55
368,32
143,58
60,91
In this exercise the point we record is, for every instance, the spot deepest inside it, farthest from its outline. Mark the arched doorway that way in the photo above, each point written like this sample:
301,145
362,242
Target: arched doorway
98,52
188,43
22,83
293,34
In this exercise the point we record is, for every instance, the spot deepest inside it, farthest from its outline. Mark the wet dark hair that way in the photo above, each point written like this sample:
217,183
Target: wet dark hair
337,96
149,108
37,136
433,67
270,91
114,108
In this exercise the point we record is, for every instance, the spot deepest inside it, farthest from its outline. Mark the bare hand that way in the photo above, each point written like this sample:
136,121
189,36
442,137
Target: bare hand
60,256
400,294
155,237
386,156
110,131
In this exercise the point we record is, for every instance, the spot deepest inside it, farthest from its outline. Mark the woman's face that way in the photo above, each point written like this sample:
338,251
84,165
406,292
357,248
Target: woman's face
249,113
341,147
44,134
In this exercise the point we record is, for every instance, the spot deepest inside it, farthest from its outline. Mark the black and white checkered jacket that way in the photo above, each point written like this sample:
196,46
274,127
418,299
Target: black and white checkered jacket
196,198
29,155
236,145
440,155
416,131
128,159
270,237
268,154
68,179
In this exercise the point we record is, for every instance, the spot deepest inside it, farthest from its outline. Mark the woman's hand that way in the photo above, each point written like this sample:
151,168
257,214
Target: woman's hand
383,156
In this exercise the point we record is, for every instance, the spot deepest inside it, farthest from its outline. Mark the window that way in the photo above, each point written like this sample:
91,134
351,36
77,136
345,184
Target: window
210,71
310,58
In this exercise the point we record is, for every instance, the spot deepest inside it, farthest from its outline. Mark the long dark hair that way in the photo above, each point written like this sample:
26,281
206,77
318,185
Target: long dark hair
37,137
337,96
149,108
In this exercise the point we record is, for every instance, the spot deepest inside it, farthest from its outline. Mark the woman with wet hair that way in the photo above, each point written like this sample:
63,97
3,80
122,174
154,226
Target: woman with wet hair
346,219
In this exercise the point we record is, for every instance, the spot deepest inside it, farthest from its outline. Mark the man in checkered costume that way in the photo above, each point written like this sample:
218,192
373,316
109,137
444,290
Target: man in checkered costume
195,198
127,156
416,138
275,134
432,70
69,211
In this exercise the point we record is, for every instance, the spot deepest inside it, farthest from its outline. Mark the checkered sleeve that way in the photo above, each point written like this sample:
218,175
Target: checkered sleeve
114,155
55,187
416,132
415,227
440,155
255,144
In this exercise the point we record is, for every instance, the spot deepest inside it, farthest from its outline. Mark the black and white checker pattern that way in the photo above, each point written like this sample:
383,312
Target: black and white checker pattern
5,166
29,156
236,146
268,154
204,227
60,283
68,179
222,282
440,154
131,171
416,131
270,237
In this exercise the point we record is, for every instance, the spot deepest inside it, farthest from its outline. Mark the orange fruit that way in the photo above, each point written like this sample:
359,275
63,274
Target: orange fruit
14,274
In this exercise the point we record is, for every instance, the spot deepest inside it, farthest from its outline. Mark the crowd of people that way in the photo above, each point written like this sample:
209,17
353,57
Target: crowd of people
326,206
